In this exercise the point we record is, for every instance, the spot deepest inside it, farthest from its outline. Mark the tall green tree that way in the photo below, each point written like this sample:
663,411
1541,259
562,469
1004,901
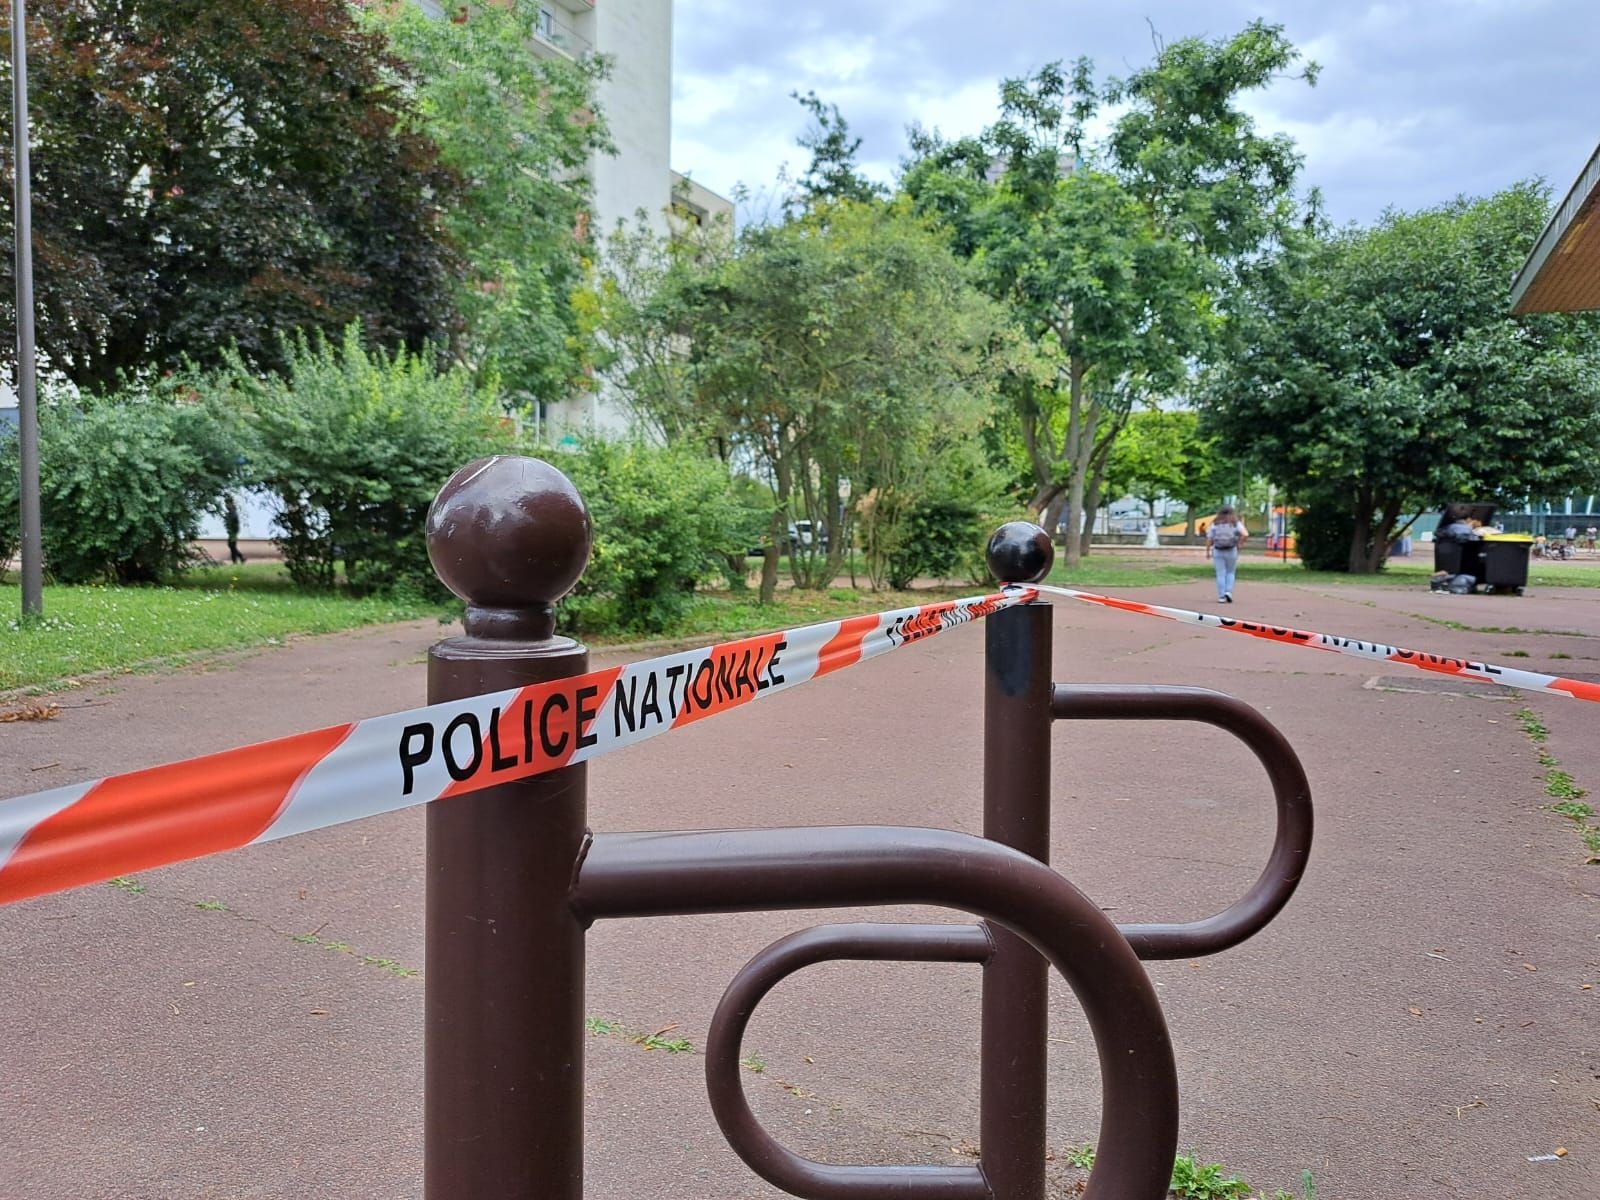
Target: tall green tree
823,353
1378,372
1151,458
833,173
520,131
1112,252
215,172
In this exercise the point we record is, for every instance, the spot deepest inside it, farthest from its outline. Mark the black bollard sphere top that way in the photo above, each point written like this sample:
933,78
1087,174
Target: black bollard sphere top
508,534
1020,552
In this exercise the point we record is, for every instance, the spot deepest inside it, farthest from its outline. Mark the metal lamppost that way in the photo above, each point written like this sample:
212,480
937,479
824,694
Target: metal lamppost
27,396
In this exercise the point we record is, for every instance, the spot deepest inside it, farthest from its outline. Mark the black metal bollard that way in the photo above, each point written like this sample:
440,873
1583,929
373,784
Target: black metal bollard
503,1110
1016,813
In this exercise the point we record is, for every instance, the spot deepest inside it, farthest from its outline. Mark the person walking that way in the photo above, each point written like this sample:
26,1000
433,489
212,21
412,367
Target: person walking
1224,536
230,527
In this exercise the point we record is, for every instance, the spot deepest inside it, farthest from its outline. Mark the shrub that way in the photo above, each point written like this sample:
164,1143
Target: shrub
1322,533
123,481
936,525
354,444
665,518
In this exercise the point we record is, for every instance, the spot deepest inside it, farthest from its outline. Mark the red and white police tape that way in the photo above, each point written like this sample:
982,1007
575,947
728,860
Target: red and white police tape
1463,668
88,832
54,840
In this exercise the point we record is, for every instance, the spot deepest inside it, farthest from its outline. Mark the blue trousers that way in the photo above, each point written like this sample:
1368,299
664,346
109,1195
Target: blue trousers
1226,563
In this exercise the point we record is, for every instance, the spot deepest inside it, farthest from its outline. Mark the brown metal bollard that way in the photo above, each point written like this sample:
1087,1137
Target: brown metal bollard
1016,813
503,1111
515,878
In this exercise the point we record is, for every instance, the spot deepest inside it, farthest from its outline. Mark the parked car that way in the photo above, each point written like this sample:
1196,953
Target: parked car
801,534
805,534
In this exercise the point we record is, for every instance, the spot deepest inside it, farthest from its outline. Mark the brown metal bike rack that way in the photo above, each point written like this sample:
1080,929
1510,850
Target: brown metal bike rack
1291,843
515,878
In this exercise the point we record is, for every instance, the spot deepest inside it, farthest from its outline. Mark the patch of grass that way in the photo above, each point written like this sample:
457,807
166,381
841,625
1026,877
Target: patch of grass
753,1063
654,1041
392,966
87,630
1081,1157
389,965
1561,787
1560,654
1194,1180
123,884
1516,654
602,1027
1559,784
211,905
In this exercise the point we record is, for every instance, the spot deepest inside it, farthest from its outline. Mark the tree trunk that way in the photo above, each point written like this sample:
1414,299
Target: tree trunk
1381,535
1363,551
778,529
1050,515
1078,450
1097,479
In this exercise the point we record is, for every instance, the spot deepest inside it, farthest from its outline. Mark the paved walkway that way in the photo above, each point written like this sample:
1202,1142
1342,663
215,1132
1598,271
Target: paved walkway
1416,1024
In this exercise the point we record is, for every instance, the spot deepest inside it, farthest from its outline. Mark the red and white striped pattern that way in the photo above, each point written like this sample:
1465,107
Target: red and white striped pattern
88,832
1462,668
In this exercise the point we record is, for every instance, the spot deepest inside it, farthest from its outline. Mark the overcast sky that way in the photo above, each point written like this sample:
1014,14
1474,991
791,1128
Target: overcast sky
1417,102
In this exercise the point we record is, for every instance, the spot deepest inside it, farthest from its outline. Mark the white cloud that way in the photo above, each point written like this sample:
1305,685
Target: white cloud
833,59
1417,101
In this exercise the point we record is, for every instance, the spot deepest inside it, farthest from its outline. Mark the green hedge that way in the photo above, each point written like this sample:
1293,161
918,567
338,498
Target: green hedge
354,444
124,480
665,520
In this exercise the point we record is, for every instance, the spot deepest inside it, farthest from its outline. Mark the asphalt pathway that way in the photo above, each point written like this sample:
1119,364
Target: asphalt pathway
1420,1022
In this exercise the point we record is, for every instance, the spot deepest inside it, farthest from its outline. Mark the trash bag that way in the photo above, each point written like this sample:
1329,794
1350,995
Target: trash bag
1461,585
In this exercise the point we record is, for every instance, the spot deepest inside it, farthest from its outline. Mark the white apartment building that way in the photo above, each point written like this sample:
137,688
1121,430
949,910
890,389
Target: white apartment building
636,35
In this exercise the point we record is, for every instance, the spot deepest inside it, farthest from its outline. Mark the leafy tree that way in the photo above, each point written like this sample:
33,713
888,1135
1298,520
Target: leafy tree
215,172
1150,459
1112,253
354,444
520,131
1378,372
124,479
634,308
821,351
832,173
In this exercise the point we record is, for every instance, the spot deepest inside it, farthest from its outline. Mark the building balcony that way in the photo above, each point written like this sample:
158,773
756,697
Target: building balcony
553,32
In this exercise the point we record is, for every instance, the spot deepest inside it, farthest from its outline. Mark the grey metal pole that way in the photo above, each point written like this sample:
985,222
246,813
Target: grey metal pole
27,395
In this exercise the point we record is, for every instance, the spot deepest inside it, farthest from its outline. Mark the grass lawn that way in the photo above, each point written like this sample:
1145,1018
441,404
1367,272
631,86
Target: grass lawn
89,630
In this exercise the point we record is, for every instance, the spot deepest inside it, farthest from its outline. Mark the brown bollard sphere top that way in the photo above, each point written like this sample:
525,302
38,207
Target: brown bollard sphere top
1020,552
509,535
